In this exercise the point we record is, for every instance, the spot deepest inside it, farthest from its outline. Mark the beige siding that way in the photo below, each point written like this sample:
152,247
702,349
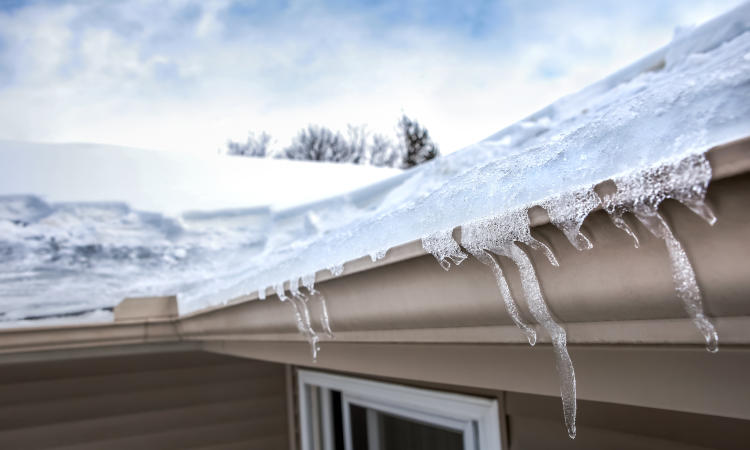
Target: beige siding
535,422
186,400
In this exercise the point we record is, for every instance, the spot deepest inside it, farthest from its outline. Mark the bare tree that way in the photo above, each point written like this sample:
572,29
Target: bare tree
358,146
316,143
256,146
384,152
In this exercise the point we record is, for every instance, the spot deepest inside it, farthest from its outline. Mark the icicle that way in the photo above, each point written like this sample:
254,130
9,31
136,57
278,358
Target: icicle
262,294
498,235
476,238
279,288
294,288
683,276
616,212
336,269
301,314
487,259
324,319
539,310
308,281
568,211
380,254
642,192
444,248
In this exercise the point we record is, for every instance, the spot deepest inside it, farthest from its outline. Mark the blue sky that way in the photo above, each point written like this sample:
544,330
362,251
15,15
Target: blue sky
185,75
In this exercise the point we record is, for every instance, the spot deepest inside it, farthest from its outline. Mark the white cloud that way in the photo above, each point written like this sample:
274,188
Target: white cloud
186,75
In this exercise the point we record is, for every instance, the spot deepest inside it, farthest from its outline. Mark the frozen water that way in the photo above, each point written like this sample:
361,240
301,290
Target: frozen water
641,193
444,248
280,292
301,310
568,210
486,258
499,235
541,314
378,255
308,281
325,320
336,269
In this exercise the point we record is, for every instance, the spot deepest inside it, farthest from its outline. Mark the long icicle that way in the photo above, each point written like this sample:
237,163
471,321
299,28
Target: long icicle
302,316
541,314
511,306
641,193
498,235
683,277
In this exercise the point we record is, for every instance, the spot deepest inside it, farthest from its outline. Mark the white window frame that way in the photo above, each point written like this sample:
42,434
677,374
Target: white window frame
475,417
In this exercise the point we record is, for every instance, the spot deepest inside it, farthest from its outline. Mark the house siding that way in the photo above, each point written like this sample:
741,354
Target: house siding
183,400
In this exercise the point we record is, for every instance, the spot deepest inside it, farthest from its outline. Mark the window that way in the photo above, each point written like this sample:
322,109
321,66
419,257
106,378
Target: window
345,413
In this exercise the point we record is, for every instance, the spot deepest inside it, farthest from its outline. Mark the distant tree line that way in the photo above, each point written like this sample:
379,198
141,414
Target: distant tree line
412,146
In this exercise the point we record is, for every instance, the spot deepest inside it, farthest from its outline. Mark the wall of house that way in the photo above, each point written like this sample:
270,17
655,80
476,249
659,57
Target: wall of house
180,400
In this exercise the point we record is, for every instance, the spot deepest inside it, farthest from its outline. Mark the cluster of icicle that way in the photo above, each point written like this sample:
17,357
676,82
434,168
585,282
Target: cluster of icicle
639,193
299,302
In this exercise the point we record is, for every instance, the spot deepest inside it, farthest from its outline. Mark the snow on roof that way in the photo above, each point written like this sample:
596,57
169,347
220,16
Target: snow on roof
681,100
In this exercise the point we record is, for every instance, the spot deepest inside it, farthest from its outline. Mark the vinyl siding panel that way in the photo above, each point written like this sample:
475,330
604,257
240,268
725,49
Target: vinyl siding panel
157,401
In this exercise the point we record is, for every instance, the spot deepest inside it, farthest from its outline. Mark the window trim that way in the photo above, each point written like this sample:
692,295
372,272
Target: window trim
476,417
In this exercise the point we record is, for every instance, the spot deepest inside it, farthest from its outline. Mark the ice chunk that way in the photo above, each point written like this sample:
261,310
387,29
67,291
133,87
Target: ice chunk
308,281
568,210
336,269
444,248
262,293
378,255
494,232
685,180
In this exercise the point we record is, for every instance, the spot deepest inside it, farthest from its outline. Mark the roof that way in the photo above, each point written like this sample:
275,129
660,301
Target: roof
681,100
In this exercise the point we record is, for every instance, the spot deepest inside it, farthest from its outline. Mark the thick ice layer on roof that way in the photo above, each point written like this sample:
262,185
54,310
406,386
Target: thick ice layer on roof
681,100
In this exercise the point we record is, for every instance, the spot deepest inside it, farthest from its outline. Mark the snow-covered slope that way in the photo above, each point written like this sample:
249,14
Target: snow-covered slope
681,100
82,226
